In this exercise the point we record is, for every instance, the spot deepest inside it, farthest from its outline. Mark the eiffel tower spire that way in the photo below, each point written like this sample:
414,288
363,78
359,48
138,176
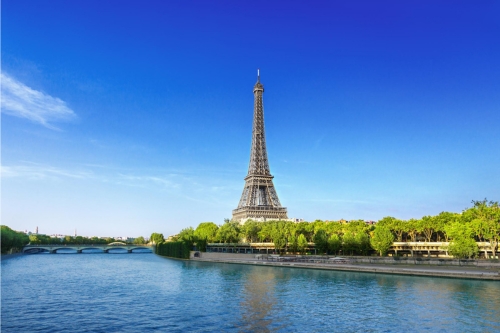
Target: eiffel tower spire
259,200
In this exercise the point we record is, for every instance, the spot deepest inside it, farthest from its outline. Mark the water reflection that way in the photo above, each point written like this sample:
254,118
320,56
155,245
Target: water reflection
258,300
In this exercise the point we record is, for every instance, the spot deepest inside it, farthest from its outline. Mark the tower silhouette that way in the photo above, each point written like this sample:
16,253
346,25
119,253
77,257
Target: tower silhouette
259,200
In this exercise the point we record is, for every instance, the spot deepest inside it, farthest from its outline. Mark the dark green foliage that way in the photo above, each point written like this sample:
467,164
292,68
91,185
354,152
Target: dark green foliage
173,249
321,241
12,239
201,244
334,244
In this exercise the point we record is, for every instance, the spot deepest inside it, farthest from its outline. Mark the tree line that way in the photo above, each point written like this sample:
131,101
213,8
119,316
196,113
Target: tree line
16,240
38,239
479,223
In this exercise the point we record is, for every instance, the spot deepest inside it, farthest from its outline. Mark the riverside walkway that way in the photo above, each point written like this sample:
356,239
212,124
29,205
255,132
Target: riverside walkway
344,264
105,248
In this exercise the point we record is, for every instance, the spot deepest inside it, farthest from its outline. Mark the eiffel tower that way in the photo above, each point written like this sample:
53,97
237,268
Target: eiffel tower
259,200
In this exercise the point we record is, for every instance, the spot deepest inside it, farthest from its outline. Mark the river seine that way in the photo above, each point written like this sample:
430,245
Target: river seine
142,292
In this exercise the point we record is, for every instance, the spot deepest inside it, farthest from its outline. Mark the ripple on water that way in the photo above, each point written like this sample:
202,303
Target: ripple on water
144,292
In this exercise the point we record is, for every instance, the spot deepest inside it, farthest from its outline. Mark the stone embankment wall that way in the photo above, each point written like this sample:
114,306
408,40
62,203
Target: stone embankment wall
218,255
425,261
363,260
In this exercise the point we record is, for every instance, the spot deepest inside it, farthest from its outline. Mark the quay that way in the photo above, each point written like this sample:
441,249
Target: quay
469,270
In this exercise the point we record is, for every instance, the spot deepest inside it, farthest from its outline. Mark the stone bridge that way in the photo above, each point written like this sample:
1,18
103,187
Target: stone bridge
79,248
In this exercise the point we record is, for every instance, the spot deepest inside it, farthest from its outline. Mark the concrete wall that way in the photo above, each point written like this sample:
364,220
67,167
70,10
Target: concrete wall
219,255
366,260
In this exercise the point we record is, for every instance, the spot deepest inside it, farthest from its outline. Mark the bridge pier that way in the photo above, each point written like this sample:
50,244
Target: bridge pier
106,251
52,251
78,251
129,251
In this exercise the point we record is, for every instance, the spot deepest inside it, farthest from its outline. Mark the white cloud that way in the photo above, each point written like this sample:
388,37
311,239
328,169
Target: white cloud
208,190
21,101
42,172
133,180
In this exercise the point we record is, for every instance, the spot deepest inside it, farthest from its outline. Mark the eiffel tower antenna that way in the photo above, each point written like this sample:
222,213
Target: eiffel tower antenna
259,200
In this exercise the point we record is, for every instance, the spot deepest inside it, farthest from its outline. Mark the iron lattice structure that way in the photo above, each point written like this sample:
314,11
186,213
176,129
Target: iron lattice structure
259,199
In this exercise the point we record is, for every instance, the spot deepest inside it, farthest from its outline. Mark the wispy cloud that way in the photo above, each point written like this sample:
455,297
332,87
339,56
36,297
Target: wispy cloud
204,190
42,172
21,101
163,181
35,171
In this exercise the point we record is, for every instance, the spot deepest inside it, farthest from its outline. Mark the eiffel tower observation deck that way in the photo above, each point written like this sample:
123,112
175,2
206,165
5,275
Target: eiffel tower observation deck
259,200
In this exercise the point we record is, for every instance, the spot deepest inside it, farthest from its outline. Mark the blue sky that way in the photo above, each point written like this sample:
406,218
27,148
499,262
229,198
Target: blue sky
124,118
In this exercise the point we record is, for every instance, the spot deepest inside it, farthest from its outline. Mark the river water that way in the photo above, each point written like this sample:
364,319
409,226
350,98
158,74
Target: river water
142,292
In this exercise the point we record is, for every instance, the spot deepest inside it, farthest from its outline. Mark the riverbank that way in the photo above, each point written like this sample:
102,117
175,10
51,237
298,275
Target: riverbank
462,272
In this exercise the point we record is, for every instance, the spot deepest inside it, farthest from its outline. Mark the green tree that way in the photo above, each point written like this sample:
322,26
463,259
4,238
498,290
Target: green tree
302,244
349,244
34,239
485,222
321,241
387,222
265,232
206,230
333,228
228,232
462,243
334,243
441,221
356,226
139,240
187,235
156,238
318,225
382,239
278,234
292,243
362,243
12,240
250,231
399,228
426,227
306,229
205,233
412,229
463,248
